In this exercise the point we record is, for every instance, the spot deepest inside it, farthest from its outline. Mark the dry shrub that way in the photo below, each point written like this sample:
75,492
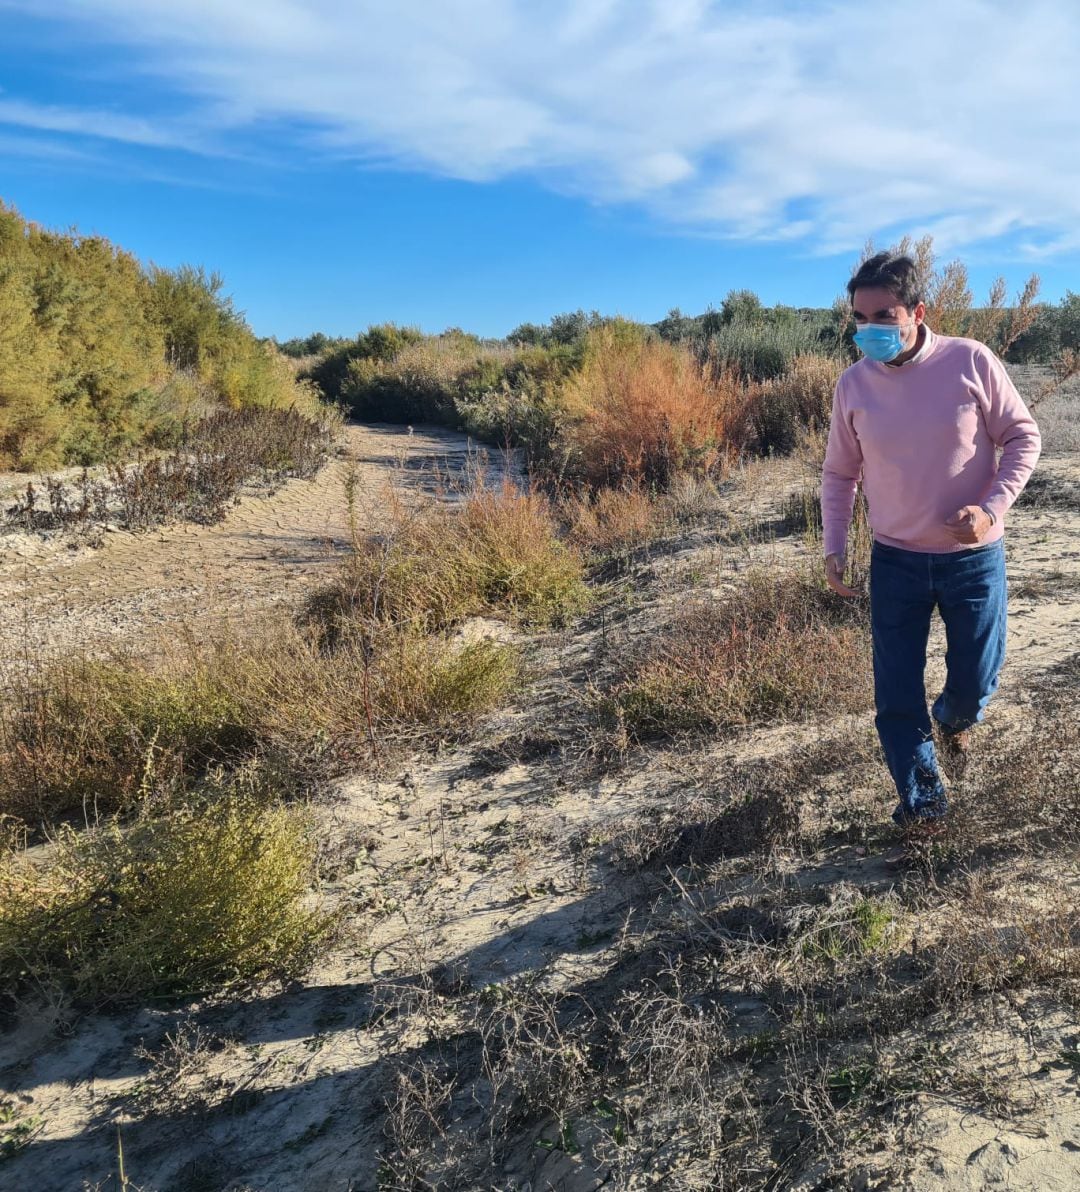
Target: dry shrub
643,410
796,403
497,553
782,647
996,941
197,481
522,1058
207,897
1028,783
612,520
86,734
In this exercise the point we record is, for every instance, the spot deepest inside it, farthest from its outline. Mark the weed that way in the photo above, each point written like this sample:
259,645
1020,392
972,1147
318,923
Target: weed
780,648
794,404
17,1130
203,898
850,929
497,554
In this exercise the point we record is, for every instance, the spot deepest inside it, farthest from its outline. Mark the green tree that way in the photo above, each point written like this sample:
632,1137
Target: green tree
742,306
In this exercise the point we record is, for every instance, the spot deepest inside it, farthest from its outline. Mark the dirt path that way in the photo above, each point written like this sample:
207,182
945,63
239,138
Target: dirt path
56,594
489,864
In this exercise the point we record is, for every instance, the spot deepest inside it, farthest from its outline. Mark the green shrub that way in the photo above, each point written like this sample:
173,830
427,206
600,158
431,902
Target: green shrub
434,682
90,342
761,350
203,899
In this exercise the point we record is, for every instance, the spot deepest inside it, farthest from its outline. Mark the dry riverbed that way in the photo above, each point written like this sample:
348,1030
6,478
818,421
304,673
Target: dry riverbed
493,866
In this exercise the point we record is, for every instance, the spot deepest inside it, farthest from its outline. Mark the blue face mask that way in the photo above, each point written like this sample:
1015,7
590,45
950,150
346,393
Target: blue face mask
880,341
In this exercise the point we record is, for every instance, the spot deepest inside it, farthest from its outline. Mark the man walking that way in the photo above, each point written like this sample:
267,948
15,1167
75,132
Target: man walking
943,445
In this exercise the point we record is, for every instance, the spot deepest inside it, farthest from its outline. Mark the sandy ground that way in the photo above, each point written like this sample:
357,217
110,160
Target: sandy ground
57,592
477,874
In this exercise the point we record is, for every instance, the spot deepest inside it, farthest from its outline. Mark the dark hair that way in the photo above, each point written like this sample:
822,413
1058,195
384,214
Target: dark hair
898,274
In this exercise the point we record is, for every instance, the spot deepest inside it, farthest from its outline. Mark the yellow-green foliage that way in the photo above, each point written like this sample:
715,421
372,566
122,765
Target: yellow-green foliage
30,421
428,681
498,553
204,898
90,342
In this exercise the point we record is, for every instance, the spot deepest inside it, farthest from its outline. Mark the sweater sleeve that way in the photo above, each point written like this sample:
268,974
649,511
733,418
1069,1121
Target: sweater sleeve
840,477
1012,428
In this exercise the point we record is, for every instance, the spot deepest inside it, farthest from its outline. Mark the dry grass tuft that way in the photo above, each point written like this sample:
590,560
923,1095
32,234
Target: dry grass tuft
615,521
781,648
93,736
497,554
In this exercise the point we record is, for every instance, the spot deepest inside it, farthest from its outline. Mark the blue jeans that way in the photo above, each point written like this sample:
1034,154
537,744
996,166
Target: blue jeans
968,589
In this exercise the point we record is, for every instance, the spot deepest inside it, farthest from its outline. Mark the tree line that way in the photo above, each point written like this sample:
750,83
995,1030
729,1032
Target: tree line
100,354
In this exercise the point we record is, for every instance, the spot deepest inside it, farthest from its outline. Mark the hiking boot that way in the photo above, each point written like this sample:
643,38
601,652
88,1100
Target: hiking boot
953,750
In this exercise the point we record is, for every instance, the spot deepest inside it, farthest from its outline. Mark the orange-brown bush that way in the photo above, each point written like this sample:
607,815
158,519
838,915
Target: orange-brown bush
780,648
641,409
614,519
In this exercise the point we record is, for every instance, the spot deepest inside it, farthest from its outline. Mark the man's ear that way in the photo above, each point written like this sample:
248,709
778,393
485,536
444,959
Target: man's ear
919,313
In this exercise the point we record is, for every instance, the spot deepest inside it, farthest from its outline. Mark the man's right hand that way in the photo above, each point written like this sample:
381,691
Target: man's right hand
834,575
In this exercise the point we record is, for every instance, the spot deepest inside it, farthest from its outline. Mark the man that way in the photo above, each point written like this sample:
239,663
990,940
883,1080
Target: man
920,420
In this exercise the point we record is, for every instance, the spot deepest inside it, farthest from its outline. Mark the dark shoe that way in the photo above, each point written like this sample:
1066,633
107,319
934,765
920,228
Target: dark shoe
928,812
953,749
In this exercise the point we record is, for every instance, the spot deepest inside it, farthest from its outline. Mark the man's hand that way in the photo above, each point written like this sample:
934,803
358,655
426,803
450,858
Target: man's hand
970,524
834,575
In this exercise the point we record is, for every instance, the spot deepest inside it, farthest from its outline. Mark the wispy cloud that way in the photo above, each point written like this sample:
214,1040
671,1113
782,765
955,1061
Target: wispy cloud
816,122
106,125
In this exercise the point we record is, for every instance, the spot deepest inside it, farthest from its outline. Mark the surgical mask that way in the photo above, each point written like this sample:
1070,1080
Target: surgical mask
881,341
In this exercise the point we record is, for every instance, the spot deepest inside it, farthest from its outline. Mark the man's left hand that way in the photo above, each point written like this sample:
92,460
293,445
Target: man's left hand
970,524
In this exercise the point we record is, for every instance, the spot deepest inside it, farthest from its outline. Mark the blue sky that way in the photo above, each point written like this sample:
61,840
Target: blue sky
481,163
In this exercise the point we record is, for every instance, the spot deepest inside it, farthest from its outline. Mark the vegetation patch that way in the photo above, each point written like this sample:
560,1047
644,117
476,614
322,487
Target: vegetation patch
208,897
100,355
781,648
496,553
106,736
643,410
198,481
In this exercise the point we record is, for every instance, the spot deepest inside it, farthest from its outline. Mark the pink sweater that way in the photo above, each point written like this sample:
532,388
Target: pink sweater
923,438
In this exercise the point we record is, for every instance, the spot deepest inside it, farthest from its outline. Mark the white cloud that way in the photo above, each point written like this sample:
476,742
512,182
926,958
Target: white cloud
819,122
111,126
